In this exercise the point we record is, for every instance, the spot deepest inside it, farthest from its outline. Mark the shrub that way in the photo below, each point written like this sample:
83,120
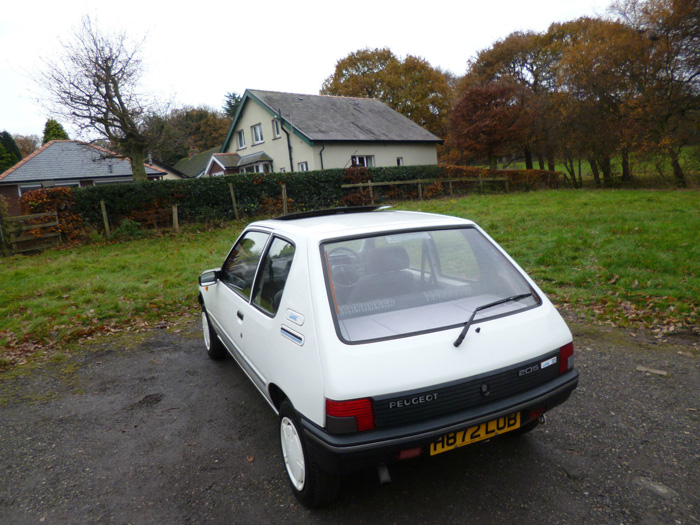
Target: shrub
60,200
128,228
209,199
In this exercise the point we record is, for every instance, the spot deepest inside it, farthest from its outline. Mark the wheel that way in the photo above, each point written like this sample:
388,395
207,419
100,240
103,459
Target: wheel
312,486
215,348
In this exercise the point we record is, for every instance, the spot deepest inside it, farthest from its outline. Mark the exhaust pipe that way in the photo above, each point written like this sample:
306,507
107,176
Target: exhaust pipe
384,476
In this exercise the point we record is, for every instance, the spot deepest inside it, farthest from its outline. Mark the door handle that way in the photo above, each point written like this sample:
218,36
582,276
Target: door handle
240,315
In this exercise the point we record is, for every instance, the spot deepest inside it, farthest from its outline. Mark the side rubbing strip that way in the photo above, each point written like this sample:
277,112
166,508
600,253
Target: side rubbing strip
292,335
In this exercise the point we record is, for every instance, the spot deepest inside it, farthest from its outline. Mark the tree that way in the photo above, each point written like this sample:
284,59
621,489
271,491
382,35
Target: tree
233,100
602,66
10,146
7,160
411,86
27,144
523,59
671,94
54,131
489,120
174,135
94,85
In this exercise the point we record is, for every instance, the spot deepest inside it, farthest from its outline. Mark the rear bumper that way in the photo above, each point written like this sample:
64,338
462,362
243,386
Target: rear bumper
344,453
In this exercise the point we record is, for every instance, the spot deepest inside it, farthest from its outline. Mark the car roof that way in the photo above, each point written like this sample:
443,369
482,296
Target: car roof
330,225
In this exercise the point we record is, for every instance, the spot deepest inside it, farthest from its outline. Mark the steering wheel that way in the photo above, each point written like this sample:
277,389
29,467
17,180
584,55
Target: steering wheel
345,274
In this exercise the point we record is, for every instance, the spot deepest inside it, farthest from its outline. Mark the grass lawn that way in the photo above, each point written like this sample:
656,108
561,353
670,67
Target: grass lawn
630,258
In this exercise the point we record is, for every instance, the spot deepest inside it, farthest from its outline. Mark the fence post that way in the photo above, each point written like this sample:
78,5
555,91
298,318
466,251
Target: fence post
104,217
233,198
371,193
420,191
481,184
284,199
176,224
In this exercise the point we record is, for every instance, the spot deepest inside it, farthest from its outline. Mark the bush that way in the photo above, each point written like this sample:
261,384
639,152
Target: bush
128,228
60,200
209,199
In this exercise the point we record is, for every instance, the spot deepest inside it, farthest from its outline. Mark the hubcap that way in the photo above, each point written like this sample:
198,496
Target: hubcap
293,453
205,330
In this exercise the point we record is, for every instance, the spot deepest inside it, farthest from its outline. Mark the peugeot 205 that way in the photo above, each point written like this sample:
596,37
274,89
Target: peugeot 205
379,335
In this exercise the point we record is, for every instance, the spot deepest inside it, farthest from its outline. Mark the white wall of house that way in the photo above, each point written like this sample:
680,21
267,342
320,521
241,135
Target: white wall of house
384,154
335,155
274,146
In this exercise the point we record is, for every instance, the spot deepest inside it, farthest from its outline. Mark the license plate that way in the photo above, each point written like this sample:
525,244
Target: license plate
476,433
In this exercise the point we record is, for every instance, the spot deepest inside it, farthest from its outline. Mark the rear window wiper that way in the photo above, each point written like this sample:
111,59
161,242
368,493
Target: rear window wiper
463,334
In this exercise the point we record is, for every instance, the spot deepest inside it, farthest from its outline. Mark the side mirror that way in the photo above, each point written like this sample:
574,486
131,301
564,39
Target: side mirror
208,278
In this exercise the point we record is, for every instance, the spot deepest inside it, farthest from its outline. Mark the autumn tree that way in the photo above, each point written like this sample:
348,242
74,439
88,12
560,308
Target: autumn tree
671,94
602,67
95,86
489,120
174,135
53,131
410,86
27,144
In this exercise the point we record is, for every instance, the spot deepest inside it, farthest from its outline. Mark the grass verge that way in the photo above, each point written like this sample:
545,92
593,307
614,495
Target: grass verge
627,258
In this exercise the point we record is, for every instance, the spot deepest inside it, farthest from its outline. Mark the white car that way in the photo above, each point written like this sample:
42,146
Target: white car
379,335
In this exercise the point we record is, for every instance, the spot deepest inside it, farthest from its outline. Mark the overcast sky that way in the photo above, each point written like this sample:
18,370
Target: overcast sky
196,52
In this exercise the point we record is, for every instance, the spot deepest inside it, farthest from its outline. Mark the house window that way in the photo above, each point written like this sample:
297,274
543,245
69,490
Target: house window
366,161
399,161
275,128
303,166
257,133
28,187
241,139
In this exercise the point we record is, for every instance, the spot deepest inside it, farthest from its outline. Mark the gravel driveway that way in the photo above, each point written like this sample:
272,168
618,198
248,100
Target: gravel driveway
144,428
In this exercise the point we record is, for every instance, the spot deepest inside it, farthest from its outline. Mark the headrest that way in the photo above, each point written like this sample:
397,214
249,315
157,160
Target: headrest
388,259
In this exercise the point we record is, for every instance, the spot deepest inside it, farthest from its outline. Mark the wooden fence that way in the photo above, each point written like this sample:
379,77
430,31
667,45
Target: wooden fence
420,182
31,232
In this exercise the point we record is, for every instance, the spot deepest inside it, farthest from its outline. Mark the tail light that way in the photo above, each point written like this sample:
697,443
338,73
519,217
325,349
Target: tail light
566,358
343,417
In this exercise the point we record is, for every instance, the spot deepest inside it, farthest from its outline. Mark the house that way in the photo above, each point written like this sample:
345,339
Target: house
195,165
169,172
228,163
282,132
66,163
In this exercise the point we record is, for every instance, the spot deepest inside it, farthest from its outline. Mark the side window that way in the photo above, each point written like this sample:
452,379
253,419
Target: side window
274,271
241,264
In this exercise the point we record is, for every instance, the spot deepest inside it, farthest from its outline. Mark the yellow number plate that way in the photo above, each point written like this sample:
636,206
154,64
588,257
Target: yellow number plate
476,433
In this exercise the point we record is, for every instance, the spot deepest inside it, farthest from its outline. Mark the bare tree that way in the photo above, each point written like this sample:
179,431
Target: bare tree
94,85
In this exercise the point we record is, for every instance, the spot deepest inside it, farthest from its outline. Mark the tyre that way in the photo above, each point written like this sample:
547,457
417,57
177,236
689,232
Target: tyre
215,348
312,486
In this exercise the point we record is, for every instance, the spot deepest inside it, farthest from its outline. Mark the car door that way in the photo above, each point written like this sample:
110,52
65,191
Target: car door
230,304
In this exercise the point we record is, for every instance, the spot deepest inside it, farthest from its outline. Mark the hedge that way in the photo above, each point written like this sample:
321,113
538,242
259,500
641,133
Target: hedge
206,199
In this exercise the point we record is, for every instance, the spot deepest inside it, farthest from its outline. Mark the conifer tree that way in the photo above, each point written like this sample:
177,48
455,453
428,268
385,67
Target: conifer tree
54,131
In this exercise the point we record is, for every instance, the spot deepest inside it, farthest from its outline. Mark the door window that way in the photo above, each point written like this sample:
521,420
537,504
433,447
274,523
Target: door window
241,264
274,271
